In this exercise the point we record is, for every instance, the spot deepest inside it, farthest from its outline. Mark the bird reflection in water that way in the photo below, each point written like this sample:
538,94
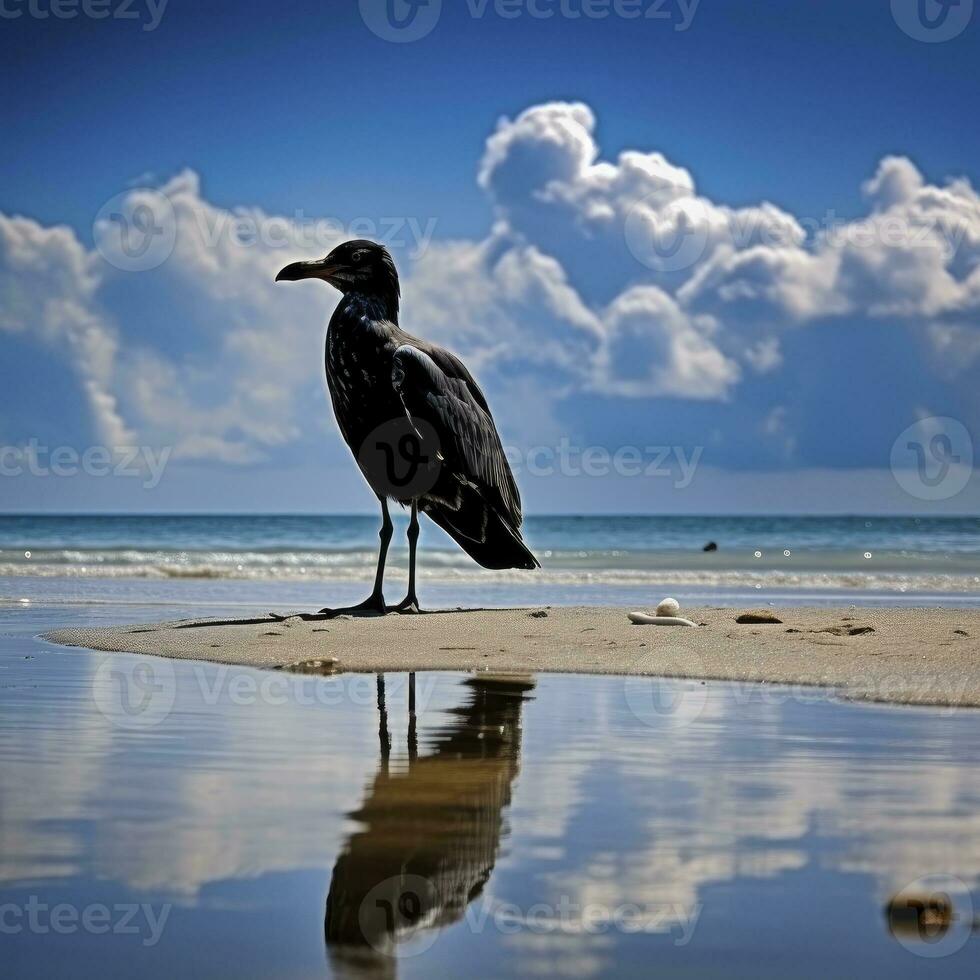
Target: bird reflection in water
432,827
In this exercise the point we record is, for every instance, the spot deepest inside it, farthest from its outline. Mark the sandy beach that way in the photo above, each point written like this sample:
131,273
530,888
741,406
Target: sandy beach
915,656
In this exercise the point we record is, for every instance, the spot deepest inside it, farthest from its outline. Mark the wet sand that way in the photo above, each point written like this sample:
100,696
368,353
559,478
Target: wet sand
913,656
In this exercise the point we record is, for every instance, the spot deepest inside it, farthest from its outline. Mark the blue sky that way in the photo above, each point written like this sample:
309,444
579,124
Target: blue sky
832,301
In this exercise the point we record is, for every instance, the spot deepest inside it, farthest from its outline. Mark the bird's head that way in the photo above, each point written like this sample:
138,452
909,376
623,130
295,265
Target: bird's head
359,266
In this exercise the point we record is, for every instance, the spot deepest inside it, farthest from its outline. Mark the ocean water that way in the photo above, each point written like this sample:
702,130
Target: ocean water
165,819
584,559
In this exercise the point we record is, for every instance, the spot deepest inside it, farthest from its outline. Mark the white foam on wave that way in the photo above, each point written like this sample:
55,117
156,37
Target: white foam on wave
360,567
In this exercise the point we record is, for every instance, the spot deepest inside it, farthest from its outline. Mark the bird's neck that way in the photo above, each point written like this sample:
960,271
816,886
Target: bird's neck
377,305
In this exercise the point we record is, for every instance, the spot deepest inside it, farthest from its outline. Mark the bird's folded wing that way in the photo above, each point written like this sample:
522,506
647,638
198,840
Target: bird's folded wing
442,392
452,367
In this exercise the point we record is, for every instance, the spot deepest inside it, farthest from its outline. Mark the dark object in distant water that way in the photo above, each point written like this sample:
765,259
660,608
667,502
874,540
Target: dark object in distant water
710,546
758,619
418,424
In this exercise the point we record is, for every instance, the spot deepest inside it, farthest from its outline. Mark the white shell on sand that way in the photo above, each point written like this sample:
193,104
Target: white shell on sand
669,607
645,619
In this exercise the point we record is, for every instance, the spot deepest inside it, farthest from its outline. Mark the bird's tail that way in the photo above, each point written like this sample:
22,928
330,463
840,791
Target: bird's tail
498,546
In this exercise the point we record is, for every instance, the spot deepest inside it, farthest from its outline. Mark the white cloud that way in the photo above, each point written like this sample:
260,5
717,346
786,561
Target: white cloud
917,254
895,181
220,373
652,348
48,282
577,283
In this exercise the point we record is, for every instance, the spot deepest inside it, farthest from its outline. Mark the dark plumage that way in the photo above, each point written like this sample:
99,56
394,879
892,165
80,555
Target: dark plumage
416,421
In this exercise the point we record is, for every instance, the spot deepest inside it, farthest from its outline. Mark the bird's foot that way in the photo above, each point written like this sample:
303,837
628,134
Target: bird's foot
372,606
409,606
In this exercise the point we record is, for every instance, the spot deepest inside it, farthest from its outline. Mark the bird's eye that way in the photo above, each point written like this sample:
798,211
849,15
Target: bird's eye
358,256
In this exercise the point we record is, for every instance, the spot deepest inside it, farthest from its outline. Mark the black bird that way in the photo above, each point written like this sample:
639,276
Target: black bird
417,423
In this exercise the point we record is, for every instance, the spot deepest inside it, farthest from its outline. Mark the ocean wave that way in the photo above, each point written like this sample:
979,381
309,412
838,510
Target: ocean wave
360,567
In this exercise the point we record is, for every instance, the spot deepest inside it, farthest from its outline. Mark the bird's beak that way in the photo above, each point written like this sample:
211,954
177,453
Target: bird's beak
317,269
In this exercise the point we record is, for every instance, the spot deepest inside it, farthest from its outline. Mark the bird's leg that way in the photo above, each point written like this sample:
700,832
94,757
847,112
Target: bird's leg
375,602
413,737
410,604
383,734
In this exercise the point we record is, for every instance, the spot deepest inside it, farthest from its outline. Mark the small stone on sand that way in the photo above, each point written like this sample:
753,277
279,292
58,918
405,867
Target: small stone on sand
761,618
846,630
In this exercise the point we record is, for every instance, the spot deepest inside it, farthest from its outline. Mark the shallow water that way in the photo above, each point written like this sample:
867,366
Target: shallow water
229,822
